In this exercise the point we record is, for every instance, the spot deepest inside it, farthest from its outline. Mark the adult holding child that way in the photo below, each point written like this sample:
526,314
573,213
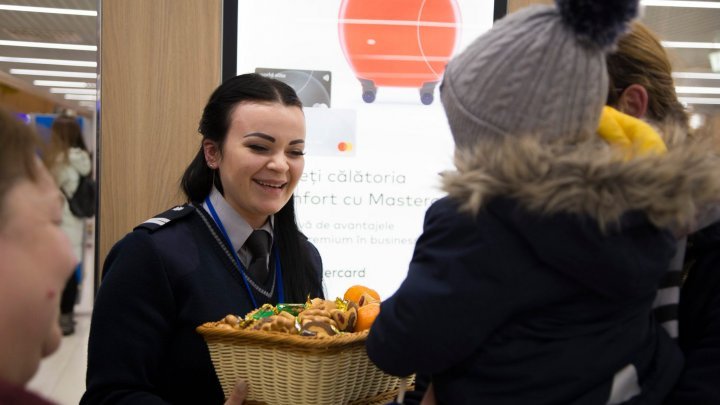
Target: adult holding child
534,280
641,85
232,248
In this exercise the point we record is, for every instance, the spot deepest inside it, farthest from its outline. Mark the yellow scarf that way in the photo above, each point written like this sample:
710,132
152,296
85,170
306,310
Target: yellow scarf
633,137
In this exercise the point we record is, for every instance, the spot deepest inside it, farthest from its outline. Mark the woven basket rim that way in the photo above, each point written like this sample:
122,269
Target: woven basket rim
210,331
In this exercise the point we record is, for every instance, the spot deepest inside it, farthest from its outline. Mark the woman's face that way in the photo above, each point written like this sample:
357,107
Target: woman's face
37,260
262,158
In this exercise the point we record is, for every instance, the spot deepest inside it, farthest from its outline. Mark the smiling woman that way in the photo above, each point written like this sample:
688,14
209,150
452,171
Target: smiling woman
191,265
263,159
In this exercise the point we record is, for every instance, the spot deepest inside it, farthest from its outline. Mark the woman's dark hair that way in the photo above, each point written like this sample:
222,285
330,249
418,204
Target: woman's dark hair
299,277
65,133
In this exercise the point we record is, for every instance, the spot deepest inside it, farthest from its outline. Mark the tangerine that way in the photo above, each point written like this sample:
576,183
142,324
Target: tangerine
355,292
366,316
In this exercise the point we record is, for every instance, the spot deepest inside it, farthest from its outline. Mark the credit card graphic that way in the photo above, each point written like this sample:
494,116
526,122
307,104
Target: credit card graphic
312,86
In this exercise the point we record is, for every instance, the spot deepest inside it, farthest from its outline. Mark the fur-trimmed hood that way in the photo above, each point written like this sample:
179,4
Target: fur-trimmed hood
589,179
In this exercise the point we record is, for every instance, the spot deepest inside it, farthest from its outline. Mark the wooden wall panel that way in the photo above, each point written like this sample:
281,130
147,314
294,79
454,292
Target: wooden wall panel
515,5
20,101
159,62
20,96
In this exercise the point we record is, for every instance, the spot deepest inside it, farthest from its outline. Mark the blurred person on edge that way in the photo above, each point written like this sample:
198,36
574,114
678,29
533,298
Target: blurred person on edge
37,259
534,279
641,85
190,264
68,159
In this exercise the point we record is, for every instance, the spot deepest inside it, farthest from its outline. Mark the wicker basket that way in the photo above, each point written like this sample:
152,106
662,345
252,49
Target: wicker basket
285,369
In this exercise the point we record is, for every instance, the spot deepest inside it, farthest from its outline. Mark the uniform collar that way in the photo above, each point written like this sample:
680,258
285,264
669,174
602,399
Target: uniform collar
236,226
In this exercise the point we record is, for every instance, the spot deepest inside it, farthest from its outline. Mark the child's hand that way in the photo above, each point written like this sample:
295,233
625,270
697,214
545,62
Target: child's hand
237,397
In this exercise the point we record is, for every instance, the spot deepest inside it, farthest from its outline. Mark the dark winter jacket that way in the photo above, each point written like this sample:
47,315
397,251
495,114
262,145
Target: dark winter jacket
158,286
533,282
700,321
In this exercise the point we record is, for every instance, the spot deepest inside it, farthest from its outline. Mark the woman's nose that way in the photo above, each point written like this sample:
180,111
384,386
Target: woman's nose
278,162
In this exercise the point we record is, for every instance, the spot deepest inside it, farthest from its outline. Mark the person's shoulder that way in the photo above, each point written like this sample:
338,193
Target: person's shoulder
448,209
445,203
79,160
77,156
165,219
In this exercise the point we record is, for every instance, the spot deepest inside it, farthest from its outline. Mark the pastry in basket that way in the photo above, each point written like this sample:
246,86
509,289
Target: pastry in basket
317,317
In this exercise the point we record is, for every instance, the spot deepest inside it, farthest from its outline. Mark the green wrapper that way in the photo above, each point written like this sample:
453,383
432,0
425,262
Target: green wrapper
292,309
262,312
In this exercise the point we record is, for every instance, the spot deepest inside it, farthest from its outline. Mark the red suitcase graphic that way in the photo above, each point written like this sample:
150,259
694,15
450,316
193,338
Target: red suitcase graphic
398,43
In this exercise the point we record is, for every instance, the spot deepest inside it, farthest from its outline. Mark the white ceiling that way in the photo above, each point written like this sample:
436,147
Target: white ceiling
49,28
678,24
671,24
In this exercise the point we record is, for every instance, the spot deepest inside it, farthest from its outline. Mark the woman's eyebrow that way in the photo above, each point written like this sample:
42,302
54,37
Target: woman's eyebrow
270,138
261,135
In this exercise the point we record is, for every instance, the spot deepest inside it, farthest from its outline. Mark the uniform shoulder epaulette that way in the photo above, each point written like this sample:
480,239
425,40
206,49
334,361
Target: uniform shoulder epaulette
156,222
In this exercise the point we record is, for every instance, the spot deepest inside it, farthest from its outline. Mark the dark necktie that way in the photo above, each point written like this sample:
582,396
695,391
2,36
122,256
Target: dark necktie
259,245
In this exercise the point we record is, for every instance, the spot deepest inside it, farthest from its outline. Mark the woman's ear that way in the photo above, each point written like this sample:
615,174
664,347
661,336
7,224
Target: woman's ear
634,101
212,153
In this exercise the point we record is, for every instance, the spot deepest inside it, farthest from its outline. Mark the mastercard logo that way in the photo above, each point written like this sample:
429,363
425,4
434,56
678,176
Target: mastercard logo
345,146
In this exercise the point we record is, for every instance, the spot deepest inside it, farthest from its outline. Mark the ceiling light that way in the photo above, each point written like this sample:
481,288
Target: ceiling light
696,75
90,104
50,10
54,73
56,83
694,45
87,97
60,90
699,100
675,3
714,58
27,44
59,62
696,121
697,90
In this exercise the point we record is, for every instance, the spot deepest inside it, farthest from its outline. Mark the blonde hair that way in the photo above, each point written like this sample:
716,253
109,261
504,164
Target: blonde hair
641,59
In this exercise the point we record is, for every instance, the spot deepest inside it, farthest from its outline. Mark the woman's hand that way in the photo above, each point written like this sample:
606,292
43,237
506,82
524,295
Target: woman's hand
237,396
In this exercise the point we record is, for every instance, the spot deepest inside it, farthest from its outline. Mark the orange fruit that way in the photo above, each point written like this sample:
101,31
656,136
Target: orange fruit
366,316
355,292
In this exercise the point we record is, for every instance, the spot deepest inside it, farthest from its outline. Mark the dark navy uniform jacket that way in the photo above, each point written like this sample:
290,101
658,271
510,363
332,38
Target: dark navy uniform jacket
160,282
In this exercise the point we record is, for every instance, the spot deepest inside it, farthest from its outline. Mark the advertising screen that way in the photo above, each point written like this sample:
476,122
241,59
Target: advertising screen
368,73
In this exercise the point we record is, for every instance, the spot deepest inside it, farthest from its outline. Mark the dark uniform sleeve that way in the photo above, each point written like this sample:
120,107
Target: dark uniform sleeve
131,320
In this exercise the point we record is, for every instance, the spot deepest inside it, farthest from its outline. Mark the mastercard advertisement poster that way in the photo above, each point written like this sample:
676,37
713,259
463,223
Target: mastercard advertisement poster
368,73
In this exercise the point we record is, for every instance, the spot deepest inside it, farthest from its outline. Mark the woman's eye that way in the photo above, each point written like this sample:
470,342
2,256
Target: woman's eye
297,153
258,148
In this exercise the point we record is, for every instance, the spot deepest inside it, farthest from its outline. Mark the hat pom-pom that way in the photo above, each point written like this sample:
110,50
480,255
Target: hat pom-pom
598,22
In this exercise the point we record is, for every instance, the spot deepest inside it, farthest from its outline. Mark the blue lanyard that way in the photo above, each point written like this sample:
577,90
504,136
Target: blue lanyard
278,270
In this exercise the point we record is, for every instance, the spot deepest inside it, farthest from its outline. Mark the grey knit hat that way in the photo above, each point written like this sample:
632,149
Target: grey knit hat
538,71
